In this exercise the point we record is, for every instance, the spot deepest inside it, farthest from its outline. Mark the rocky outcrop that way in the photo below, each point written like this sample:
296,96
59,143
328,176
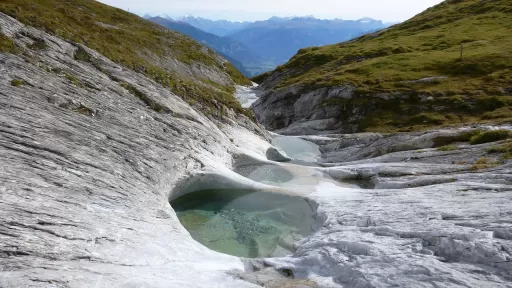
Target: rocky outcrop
89,156
292,112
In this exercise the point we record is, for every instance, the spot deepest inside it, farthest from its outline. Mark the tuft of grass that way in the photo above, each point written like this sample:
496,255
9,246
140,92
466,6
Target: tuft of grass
72,79
461,137
505,148
84,110
483,163
82,55
501,113
17,82
37,43
236,75
427,118
148,101
448,148
490,136
6,44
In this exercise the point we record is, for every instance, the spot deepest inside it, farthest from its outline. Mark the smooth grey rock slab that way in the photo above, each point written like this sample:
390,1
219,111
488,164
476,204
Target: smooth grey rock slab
87,168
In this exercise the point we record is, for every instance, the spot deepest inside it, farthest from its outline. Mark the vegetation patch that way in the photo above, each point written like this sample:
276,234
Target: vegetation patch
82,55
17,82
448,148
502,113
427,118
484,163
142,96
6,44
73,79
37,43
84,110
262,77
490,136
461,137
505,148
236,75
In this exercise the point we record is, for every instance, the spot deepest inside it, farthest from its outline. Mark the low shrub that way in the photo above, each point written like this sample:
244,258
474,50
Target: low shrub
502,113
505,148
448,148
461,137
427,118
483,163
490,136
17,82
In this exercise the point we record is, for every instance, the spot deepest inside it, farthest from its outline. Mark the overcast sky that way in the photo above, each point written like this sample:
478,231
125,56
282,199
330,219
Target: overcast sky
239,10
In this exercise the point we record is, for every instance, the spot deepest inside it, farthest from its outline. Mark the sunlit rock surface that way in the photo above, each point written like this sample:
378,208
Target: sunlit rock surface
429,221
87,172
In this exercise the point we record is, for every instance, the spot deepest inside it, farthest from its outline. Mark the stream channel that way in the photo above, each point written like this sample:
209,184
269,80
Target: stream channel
259,224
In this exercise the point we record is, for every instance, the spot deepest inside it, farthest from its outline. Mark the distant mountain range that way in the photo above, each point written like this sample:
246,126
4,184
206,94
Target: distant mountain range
257,47
217,27
239,54
280,38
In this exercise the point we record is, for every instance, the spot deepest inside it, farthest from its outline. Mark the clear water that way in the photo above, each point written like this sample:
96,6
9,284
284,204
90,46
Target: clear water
297,148
267,174
245,223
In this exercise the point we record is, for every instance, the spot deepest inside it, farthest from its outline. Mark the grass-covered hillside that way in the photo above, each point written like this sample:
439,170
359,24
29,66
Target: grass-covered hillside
131,41
472,88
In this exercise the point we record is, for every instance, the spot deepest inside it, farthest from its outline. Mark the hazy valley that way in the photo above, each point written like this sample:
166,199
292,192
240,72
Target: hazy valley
258,47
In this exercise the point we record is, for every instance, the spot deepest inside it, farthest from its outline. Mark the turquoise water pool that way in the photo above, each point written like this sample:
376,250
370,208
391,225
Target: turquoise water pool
245,223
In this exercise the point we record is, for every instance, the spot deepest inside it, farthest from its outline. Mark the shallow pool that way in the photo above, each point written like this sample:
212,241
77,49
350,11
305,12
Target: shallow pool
265,173
245,223
297,148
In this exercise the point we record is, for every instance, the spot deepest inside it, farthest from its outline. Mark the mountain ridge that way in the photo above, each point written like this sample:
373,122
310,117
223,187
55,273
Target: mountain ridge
279,38
407,77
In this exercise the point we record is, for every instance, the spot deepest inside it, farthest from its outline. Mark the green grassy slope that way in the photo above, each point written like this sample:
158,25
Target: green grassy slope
128,40
428,45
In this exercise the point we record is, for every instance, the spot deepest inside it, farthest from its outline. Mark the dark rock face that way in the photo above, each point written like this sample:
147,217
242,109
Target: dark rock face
294,112
86,168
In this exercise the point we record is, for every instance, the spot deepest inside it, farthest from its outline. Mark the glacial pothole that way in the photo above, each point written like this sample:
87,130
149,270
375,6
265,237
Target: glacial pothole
265,173
245,223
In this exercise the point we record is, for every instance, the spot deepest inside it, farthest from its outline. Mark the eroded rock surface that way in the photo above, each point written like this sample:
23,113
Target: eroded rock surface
86,169
431,220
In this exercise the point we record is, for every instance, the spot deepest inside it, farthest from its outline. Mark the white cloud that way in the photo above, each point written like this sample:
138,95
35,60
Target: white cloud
389,10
